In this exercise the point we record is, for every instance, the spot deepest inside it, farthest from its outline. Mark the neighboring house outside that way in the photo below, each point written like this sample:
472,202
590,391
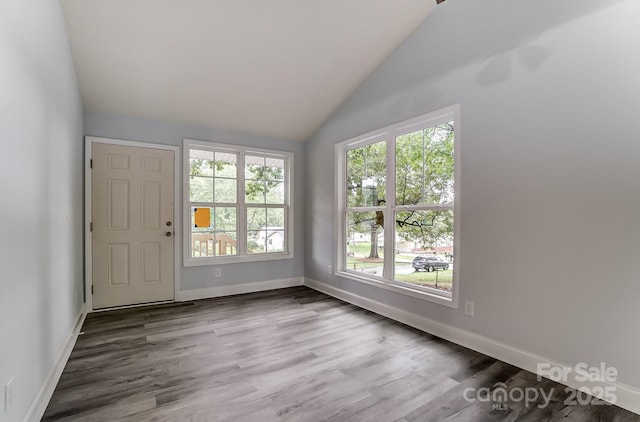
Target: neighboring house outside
273,236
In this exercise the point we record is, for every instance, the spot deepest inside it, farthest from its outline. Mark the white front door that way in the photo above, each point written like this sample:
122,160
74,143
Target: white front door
132,225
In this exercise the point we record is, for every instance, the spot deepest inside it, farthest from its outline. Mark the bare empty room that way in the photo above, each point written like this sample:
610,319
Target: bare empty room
415,210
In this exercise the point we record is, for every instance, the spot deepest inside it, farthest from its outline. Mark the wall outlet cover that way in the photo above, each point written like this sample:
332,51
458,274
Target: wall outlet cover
469,307
8,395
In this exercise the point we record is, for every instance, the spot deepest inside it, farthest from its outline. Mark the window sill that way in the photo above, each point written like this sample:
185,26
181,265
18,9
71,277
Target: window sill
198,262
448,300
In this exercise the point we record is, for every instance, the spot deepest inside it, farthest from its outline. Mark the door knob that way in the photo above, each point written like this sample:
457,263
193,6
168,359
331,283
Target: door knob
168,234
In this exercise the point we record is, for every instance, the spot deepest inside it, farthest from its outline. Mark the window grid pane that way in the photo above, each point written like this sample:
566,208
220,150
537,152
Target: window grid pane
215,237
424,248
201,189
365,242
366,175
266,230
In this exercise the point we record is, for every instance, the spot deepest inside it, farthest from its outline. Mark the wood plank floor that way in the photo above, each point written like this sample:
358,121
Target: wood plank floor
286,355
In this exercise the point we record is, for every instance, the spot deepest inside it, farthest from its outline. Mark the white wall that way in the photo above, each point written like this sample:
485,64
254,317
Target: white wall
550,154
202,277
41,189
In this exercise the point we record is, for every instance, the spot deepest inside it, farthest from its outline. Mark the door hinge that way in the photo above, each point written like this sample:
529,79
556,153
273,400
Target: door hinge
91,163
91,226
92,289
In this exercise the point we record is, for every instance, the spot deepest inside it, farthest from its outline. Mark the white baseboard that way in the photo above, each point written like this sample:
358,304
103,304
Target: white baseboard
40,403
627,397
237,289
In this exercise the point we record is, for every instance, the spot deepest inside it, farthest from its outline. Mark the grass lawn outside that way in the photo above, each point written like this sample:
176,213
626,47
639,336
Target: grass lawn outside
363,249
357,263
442,279
439,279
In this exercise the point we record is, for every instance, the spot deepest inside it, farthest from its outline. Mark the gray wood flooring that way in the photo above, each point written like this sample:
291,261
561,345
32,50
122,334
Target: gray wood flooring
287,355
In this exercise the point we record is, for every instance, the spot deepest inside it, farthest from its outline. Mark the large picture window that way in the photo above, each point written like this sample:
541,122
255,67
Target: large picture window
397,201
237,203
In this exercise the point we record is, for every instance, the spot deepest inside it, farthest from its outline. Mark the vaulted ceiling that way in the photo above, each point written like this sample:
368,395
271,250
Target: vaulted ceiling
275,68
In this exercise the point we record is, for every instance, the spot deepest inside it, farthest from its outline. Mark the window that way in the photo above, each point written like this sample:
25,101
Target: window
396,207
237,204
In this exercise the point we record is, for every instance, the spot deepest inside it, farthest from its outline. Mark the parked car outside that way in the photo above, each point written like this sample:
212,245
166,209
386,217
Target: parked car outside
429,263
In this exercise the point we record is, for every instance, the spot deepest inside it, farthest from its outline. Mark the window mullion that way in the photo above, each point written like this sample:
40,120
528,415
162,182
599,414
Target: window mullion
424,167
389,226
242,207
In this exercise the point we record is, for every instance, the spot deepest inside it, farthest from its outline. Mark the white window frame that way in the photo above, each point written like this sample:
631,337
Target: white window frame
241,233
389,134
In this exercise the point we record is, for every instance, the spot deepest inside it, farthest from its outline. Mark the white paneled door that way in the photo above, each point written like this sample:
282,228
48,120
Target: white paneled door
132,225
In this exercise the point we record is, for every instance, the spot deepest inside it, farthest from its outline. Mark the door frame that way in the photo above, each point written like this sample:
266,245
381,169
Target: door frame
88,235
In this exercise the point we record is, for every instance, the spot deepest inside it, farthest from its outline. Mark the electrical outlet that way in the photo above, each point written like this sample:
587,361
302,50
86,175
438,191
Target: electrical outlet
218,272
8,395
468,307
330,269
